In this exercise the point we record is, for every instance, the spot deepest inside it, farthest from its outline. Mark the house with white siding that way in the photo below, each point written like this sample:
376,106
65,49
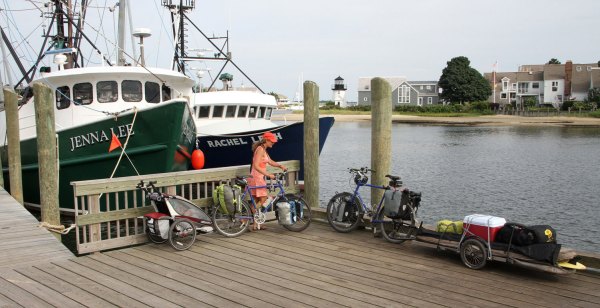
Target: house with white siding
547,83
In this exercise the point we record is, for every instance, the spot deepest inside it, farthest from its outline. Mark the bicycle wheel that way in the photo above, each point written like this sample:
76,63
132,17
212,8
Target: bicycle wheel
182,234
396,230
154,238
473,253
230,225
343,213
303,214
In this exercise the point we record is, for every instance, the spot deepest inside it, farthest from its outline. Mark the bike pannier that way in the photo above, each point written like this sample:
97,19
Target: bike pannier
395,203
227,197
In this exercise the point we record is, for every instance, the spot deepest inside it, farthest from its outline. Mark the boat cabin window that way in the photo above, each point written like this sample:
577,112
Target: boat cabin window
261,112
107,91
83,93
218,111
203,111
269,111
242,111
166,93
252,113
132,90
152,92
230,111
63,97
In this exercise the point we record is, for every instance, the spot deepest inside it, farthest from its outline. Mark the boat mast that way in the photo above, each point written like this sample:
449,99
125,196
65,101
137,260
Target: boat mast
121,33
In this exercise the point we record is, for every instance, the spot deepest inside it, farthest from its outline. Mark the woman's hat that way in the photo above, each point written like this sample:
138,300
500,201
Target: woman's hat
270,136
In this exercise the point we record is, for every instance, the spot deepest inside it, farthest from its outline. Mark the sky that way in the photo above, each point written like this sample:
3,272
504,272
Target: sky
281,43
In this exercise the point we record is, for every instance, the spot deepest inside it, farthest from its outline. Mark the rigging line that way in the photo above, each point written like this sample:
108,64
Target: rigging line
21,10
11,20
163,28
97,35
220,50
130,128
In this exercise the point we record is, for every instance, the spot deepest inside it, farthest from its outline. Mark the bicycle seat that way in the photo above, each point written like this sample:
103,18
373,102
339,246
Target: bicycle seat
241,180
393,177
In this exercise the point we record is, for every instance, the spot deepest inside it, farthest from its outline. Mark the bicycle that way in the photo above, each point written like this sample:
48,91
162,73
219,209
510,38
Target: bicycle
291,211
345,210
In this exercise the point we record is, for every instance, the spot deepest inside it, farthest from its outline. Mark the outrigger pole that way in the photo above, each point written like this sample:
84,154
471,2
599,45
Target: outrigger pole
179,53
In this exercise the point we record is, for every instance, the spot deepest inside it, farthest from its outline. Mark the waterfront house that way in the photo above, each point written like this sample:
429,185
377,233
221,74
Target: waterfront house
550,84
404,92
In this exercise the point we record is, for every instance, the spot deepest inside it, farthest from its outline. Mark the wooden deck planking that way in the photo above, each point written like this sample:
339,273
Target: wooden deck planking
22,242
318,267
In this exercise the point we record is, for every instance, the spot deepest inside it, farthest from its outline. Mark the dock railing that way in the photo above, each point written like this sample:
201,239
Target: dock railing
109,212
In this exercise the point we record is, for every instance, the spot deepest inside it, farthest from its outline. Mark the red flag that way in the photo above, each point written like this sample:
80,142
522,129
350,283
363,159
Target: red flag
114,143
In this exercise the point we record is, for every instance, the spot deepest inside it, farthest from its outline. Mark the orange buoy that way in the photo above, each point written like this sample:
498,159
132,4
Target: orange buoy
197,159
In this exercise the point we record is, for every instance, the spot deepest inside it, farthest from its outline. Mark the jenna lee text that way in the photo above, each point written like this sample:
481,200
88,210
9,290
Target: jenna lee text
99,136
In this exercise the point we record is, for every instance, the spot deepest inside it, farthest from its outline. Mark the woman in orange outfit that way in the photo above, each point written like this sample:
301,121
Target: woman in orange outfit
260,159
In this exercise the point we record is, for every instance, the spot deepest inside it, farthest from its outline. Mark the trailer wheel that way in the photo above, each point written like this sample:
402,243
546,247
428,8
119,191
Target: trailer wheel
473,253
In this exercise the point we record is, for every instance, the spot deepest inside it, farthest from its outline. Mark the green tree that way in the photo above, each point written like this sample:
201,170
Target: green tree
594,96
553,61
530,102
461,83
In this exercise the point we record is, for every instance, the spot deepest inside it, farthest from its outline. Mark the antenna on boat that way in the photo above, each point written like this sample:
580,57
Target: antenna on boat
142,33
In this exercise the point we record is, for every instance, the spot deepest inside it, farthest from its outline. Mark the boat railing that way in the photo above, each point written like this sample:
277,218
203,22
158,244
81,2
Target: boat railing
109,212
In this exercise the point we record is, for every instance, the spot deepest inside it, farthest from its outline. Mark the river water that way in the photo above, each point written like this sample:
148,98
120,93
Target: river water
526,174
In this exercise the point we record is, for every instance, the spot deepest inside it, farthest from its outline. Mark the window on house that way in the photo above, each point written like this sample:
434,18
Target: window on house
421,87
514,86
365,99
504,85
429,100
589,68
404,97
535,85
428,87
503,95
420,101
578,68
555,86
63,97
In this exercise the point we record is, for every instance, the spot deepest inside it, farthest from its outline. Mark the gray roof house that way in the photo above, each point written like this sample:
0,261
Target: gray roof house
404,92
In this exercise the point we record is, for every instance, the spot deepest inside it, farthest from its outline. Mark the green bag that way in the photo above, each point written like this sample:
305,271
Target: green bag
227,197
448,226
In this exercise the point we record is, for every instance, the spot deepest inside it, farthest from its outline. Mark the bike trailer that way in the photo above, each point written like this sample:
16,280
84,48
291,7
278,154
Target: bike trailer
482,226
158,224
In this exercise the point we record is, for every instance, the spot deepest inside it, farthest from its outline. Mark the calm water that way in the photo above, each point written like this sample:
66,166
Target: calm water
530,175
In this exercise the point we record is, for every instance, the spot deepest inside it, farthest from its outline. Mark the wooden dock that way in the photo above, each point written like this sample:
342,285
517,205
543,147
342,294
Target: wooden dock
22,242
276,267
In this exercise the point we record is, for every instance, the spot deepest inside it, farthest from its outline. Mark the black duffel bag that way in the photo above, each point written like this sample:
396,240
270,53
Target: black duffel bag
525,235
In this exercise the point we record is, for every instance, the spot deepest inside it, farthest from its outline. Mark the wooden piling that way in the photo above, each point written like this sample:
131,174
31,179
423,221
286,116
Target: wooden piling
47,153
11,110
311,143
381,135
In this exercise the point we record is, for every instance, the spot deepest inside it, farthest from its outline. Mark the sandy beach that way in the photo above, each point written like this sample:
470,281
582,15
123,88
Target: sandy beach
492,120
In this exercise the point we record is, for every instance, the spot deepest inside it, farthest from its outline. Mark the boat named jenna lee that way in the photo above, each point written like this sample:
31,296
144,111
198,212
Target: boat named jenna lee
228,122
146,107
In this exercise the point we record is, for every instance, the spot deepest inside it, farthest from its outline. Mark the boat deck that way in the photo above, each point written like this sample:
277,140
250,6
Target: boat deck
22,242
275,267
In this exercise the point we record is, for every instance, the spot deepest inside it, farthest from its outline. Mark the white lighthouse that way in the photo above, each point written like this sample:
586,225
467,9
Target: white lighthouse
339,92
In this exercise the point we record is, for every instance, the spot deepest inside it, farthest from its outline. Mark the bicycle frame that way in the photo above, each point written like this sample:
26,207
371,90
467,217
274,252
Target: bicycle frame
356,195
271,186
